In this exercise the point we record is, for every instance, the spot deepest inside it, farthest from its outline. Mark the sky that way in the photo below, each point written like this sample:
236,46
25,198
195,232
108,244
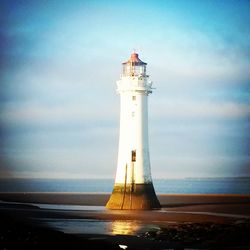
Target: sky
60,60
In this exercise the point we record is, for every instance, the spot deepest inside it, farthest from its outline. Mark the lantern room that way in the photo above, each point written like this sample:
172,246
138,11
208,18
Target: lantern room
134,66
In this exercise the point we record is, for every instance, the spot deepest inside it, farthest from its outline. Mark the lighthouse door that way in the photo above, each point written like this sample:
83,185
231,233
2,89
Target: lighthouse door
133,156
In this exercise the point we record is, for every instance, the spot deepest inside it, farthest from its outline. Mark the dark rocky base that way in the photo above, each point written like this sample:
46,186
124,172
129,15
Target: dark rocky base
134,197
205,235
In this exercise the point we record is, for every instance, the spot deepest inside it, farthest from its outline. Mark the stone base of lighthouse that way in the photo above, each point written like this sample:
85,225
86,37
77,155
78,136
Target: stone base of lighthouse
133,197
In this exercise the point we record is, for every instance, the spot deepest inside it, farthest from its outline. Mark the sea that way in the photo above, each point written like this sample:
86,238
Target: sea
162,186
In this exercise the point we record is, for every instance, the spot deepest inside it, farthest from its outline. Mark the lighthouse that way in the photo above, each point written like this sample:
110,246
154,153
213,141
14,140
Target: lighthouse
133,188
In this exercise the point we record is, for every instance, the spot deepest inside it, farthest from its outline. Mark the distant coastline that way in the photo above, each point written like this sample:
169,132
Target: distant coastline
96,178
208,185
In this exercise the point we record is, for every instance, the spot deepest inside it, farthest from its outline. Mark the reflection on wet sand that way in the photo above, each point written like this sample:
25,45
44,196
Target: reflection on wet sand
124,227
131,227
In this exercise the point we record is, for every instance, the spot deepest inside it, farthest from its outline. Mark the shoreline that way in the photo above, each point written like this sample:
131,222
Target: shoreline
185,221
180,208
100,199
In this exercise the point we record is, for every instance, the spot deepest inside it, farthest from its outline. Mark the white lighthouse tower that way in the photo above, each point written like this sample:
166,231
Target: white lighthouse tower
133,187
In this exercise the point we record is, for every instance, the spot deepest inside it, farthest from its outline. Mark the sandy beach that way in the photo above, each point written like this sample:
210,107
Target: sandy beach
181,217
210,203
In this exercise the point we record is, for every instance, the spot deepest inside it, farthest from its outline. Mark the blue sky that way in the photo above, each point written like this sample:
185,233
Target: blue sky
59,64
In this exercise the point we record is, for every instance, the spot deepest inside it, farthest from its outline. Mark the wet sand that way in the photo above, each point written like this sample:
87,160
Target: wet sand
195,221
210,203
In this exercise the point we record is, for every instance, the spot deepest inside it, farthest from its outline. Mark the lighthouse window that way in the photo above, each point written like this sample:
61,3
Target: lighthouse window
133,97
133,155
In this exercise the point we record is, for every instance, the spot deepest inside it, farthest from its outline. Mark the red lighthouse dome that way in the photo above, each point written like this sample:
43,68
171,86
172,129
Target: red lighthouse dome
134,66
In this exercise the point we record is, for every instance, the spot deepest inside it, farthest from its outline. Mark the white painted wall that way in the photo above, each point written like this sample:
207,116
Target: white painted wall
133,129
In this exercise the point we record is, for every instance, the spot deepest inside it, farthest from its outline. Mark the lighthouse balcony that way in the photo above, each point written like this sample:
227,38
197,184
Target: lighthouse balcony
144,89
127,83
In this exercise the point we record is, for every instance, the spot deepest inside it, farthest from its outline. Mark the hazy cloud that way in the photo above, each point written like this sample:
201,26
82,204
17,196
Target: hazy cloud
59,111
